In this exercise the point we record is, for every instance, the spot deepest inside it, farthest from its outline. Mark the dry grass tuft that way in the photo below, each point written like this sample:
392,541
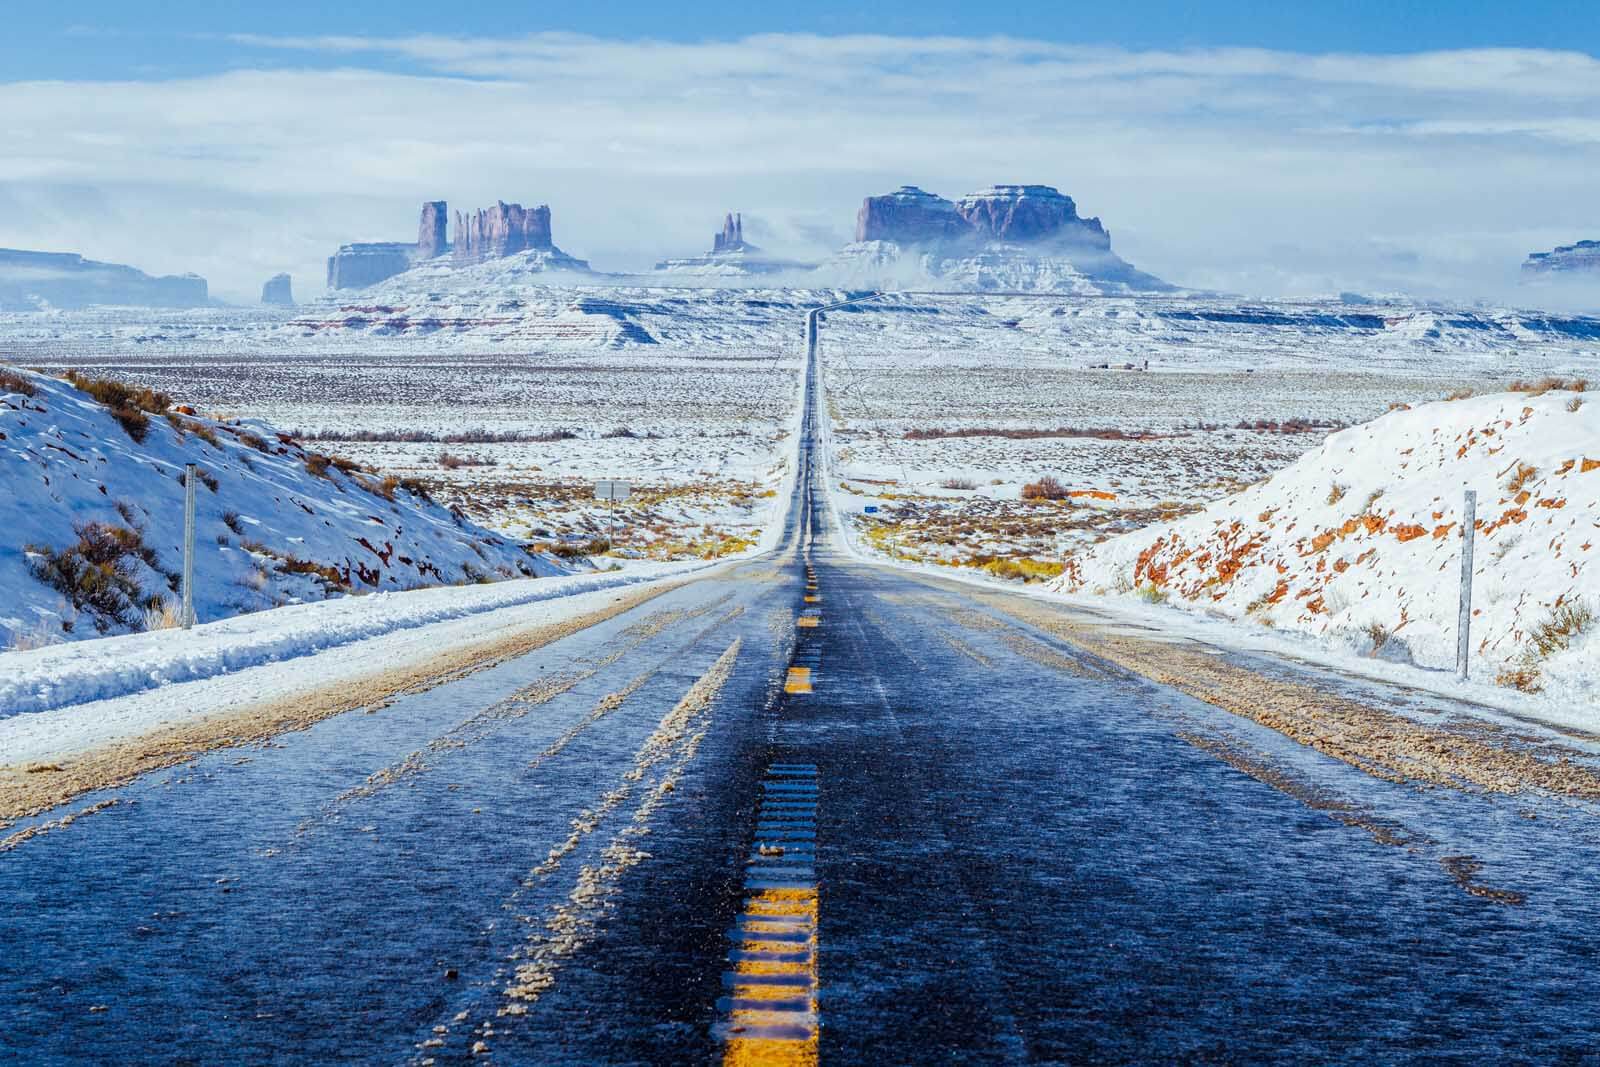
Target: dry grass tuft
1525,473
163,615
12,382
1046,488
130,405
1547,385
98,575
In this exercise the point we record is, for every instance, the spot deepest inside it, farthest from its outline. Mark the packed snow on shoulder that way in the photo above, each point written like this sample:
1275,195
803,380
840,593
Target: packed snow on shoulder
1359,542
91,523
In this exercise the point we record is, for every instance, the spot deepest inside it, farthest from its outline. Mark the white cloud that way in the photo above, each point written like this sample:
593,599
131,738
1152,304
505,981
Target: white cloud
1267,170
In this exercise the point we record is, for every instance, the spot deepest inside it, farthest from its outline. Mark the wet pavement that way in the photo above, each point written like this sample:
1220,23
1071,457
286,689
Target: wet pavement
999,850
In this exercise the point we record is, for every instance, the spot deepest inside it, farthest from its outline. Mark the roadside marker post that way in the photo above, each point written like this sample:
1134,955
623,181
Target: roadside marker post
1469,519
612,490
189,478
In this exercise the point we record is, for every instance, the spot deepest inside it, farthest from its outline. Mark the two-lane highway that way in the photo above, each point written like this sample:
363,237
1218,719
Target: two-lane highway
803,808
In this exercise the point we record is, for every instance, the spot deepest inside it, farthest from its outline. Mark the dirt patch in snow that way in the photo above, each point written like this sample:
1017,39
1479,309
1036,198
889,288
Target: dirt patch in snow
1380,743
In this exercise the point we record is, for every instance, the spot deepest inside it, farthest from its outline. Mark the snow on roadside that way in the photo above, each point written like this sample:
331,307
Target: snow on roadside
1357,543
52,735
93,519
61,676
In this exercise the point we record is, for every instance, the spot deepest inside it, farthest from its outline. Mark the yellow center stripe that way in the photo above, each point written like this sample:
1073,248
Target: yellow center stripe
799,680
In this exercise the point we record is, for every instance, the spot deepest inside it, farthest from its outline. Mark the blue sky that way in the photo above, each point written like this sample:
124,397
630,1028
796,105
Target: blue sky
118,39
1267,148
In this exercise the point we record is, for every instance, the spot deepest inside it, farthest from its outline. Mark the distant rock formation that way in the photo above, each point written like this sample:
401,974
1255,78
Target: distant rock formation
502,230
731,256
1581,258
493,233
1005,237
909,216
432,240
731,239
1029,214
276,292
32,281
356,266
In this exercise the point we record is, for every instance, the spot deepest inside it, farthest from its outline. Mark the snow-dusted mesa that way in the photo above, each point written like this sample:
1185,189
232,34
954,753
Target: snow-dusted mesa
501,232
93,517
1358,543
38,281
1009,238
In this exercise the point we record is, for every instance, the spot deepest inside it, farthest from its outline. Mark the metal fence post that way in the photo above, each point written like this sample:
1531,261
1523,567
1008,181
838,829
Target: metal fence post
189,478
1469,519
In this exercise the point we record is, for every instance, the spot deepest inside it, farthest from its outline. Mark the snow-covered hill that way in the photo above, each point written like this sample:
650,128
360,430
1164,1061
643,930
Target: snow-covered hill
1358,542
91,520
993,268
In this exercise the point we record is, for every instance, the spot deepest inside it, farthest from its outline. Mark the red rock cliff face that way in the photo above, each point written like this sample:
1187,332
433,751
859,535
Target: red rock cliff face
503,230
910,216
1016,214
1029,214
431,238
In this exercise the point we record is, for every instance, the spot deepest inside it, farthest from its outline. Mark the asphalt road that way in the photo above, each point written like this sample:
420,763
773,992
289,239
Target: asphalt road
912,829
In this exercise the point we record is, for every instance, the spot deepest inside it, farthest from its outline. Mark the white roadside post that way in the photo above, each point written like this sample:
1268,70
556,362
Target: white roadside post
189,478
1469,519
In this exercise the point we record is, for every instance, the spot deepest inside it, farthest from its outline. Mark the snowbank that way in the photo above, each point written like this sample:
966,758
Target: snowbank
89,490
62,675
1358,542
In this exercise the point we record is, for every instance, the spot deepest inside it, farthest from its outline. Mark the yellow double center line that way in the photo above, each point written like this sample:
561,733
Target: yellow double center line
770,1011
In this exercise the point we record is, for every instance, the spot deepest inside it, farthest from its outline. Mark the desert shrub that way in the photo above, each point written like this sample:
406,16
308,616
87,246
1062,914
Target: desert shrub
1555,634
1522,676
958,483
595,546
416,488
451,461
619,431
204,432
231,520
254,441
1020,568
163,614
130,405
1546,385
1525,473
1046,488
1565,623
1378,634
1337,493
1575,403
98,575
317,464
1151,593
1464,393
12,382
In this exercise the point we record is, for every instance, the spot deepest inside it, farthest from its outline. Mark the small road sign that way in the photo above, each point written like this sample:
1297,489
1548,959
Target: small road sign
612,489
870,509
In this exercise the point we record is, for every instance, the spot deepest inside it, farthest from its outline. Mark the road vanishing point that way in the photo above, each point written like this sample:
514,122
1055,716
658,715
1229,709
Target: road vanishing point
803,808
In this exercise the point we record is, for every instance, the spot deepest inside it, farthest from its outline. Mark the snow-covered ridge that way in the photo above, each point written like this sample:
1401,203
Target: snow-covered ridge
91,523
1358,542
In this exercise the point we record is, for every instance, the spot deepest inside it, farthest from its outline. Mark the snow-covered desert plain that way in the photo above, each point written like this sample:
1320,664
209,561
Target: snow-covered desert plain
1005,433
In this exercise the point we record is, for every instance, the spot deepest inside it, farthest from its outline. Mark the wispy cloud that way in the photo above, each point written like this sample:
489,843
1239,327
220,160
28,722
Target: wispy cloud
1257,169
